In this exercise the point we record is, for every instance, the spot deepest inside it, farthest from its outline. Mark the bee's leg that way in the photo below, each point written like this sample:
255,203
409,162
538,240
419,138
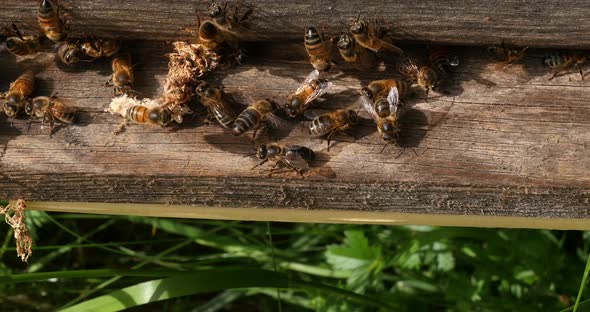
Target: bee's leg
246,15
330,138
580,70
426,92
121,127
260,163
53,95
51,125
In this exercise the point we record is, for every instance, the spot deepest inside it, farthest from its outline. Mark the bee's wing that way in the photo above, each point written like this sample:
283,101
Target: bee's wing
311,114
369,108
275,121
393,100
321,89
313,75
296,161
221,109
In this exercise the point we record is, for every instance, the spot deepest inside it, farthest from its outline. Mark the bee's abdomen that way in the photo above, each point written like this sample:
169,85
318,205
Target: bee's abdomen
305,152
247,120
313,41
553,59
321,126
225,119
138,114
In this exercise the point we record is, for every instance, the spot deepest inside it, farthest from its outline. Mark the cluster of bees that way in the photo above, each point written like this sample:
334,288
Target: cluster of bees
362,45
17,100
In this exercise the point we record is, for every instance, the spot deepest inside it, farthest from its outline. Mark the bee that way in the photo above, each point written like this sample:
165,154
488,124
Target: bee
295,157
49,108
353,53
311,89
332,123
22,45
507,55
255,116
98,48
141,114
381,100
122,78
562,61
368,36
16,97
50,21
227,20
69,53
318,49
429,76
215,102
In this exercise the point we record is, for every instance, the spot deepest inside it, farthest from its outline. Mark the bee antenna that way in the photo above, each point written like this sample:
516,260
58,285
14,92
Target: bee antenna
384,146
17,31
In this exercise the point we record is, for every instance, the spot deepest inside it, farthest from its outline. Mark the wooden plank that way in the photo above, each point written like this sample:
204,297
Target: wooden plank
505,143
312,216
541,23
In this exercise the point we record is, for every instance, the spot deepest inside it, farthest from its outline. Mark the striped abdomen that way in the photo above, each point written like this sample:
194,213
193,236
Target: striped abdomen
24,84
305,152
49,21
248,119
138,114
442,60
224,116
556,59
63,113
314,43
20,47
321,125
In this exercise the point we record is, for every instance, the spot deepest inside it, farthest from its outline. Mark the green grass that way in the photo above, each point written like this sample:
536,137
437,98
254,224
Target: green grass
85,263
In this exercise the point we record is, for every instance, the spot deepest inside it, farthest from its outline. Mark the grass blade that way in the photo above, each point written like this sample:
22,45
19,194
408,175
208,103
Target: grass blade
209,281
582,285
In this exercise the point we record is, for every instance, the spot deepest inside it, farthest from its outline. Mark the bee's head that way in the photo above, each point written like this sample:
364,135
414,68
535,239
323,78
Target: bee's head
205,90
389,131
367,92
208,28
293,105
345,42
262,151
358,26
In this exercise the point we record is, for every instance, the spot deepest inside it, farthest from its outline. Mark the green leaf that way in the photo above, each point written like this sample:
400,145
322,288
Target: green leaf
354,254
445,261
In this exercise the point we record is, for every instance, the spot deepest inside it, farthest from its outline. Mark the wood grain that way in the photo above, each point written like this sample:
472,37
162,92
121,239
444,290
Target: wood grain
543,23
503,143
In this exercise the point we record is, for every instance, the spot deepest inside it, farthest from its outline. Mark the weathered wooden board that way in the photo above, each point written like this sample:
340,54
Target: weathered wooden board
543,23
504,143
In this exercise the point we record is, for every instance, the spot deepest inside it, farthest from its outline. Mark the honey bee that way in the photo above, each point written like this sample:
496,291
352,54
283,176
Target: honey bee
50,21
295,157
22,45
562,61
318,49
141,114
98,48
381,100
429,76
332,123
311,89
122,78
51,109
69,53
507,55
16,97
368,36
215,102
354,53
227,20
260,114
